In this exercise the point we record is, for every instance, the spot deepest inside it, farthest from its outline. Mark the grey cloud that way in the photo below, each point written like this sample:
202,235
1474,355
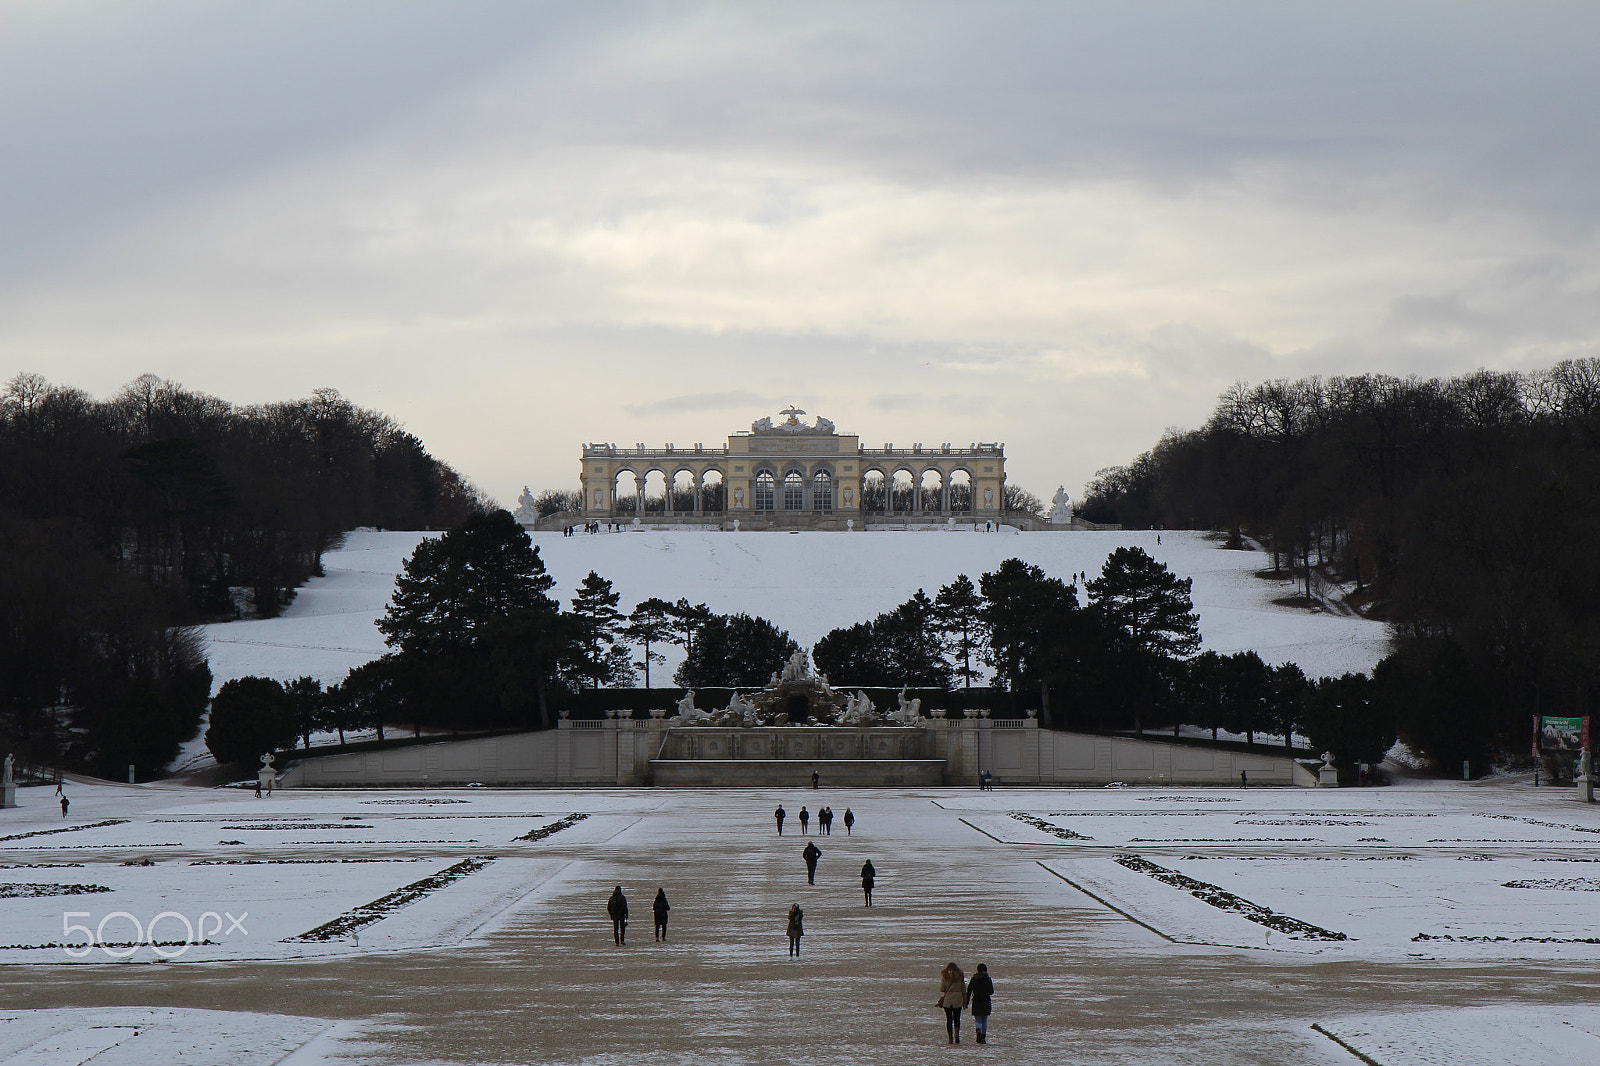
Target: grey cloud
702,401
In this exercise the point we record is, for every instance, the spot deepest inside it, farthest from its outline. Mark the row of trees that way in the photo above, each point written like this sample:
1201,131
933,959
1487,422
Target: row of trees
476,642
123,521
1463,508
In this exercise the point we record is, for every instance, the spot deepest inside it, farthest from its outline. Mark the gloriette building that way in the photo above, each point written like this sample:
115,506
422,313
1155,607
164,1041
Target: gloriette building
791,475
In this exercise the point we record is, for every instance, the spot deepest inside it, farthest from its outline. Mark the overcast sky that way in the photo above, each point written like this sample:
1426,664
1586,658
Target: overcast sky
520,226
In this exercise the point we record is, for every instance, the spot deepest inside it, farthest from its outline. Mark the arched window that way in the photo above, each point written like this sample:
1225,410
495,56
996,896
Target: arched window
764,487
794,491
822,491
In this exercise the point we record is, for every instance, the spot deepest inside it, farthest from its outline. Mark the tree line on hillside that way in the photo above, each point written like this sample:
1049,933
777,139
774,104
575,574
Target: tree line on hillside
122,521
476,642
1465,509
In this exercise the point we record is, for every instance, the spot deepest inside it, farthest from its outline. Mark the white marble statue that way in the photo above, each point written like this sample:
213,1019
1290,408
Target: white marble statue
761,425
1061,507
824,425
863,706
796,669
909,710
527,507
9,779
737,704
688,711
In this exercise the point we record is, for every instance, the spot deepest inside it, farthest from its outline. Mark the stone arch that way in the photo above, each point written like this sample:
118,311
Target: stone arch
930,489
626,486
683,490
874,491
822,490
765,486
655,490
713,490
794,489
959,491
902,490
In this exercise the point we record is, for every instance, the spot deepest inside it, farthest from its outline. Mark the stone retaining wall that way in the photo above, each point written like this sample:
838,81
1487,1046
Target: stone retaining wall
630,751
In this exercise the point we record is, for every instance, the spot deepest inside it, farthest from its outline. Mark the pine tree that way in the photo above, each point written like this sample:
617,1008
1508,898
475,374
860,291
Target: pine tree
960,618
1151,614
599,624
648,625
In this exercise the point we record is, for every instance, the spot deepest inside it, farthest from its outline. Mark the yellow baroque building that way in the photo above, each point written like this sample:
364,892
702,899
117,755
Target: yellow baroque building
791,475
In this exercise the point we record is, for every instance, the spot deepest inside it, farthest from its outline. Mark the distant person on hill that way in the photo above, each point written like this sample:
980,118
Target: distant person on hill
796,929
952,997
849,820
617,907
661,907
64,804
869,877
811,855
805,820
979,991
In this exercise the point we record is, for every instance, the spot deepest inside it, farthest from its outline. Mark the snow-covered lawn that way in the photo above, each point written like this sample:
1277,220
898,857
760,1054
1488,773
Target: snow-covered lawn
808,583
1246,913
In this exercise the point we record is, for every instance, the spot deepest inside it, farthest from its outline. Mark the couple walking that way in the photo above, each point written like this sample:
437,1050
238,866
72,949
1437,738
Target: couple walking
956,992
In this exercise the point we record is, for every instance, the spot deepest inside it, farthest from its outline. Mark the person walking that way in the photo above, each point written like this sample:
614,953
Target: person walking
805,820
1244,779
869,877
617,907
797,929
811,855
952,996
825,820
64,804
979,991
849,820
816,780
780,814
661,907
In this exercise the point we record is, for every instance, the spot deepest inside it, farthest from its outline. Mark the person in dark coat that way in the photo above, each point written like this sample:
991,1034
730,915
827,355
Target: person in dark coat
849,820
825,821
816,779
661,907
805,820
869,877
64,804
811,855
797,929
617,907
979,991
780,814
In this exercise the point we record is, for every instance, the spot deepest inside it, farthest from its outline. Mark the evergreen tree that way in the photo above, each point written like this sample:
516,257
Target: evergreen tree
960,616
735,650
1151,614
455,585
250,716
599,623
1037,633
306,697
650,624
686,621
1342,717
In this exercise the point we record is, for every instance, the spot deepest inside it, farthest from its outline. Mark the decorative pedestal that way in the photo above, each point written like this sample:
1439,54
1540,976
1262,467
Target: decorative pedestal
1327,776
8,795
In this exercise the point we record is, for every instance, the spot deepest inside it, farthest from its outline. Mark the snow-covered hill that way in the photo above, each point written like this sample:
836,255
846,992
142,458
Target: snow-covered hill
808,583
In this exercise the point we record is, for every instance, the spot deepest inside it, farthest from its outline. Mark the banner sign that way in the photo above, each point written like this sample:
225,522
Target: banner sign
1563,734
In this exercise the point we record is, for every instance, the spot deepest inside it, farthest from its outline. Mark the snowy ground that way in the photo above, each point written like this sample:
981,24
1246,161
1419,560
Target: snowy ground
808,583
1468,915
